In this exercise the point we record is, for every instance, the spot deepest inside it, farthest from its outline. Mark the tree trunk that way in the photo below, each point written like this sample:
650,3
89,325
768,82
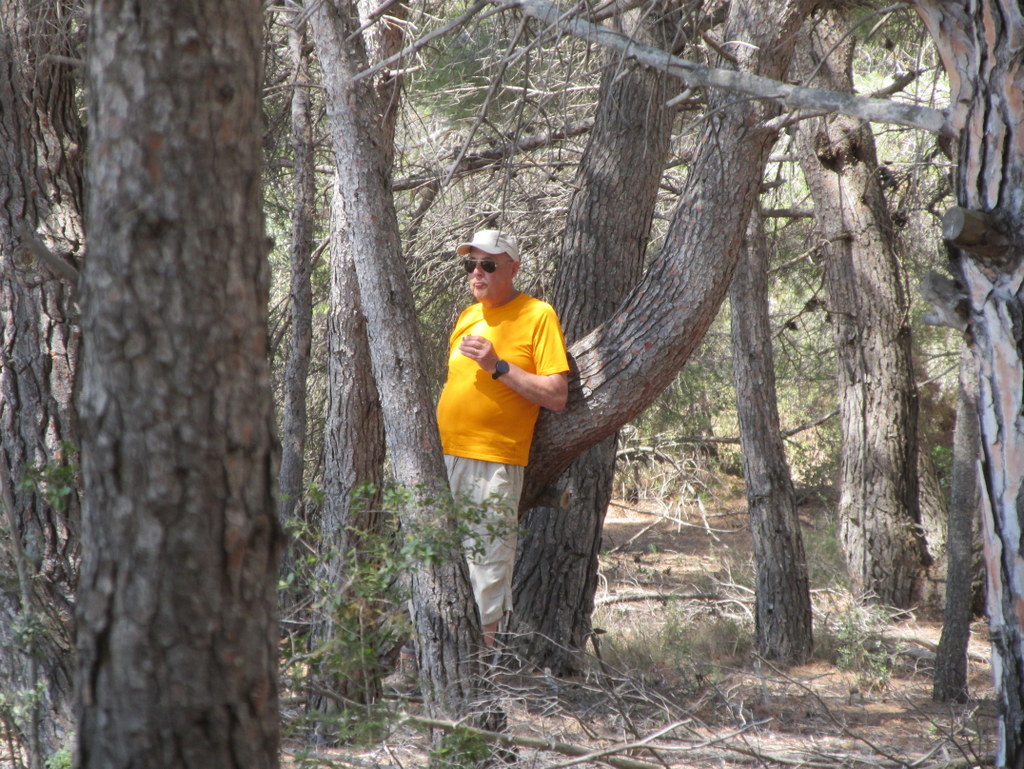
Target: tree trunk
446,620
602,258
878,506
352,520
980,48
950,684
353,460
291,489
624,364
782,602
41,154
177,633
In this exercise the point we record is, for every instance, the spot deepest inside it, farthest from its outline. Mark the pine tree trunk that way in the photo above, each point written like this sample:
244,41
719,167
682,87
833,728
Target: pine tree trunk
353,460
627,361
41,155
950,684
979,46
177,637
444,613
782,603
878,507
601,259
352,522
291,488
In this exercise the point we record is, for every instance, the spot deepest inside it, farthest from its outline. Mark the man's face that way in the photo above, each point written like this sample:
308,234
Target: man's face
492,289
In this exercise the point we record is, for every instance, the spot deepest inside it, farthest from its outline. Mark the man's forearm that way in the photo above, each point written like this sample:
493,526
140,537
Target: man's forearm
550,392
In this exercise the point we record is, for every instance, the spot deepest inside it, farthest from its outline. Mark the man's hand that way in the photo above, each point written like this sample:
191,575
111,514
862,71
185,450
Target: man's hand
481,350
549,391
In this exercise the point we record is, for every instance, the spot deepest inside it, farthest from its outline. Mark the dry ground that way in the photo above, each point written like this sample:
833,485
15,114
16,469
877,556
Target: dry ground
675,604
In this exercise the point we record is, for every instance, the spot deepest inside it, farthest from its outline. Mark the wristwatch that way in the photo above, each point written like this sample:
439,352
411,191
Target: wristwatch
501,367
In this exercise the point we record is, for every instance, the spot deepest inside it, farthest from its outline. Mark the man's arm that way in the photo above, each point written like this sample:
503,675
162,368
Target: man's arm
550,391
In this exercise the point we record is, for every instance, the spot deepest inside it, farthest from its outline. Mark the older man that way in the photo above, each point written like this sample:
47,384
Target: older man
506,360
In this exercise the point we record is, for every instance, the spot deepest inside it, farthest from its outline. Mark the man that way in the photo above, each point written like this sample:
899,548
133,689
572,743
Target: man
506,360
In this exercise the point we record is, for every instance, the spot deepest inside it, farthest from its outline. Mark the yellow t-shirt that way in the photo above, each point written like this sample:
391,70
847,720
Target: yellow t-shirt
478,416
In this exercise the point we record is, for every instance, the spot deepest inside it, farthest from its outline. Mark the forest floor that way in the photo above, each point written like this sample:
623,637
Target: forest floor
678,685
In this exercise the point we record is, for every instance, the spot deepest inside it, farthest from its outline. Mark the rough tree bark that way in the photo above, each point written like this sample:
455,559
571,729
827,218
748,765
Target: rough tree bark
354,448
624,363
445,617
177,619
782,602
979,42
602,256
291,488
878,505
950,680
41,159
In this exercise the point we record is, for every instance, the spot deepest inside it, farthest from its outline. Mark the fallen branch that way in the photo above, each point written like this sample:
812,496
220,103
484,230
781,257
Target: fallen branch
565,748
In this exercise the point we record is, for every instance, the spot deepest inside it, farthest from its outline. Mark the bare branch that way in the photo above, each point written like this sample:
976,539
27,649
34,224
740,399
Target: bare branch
694,75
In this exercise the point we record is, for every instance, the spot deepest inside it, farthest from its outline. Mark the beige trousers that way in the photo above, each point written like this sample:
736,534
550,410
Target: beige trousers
491,550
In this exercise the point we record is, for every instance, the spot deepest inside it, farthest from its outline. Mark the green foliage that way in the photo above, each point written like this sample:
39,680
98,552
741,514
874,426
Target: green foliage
826,565
63,758
459,749
360,599
860,648
55,480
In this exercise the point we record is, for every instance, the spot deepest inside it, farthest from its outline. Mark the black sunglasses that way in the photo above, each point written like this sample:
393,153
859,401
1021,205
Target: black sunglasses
488,265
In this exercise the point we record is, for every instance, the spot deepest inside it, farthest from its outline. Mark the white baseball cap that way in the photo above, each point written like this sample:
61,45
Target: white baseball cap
491,242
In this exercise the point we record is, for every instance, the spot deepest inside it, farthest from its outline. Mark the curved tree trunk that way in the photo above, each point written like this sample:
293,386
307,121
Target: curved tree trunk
624,364
177,636
41,155
782,601
878,505
602,258
980,47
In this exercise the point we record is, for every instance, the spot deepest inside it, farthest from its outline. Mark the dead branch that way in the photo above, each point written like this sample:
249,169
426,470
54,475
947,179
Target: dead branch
698,75
654,596
583,754
477,161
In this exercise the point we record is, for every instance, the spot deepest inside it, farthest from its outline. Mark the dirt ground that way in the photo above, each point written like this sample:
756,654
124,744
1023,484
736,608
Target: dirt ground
680,687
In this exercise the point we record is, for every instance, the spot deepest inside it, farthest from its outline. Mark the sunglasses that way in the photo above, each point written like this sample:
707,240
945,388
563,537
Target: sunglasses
488,265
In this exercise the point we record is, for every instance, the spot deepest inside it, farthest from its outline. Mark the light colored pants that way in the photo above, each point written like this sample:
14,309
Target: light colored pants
497,488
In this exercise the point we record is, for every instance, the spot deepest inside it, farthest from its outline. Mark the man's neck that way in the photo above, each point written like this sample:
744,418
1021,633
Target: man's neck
490,305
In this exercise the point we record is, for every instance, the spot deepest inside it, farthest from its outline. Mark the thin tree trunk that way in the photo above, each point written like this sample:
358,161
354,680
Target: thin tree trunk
446,621
878,506
601,259
177,636
353,461
352,519
782,602
41,154
950,684
293,419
